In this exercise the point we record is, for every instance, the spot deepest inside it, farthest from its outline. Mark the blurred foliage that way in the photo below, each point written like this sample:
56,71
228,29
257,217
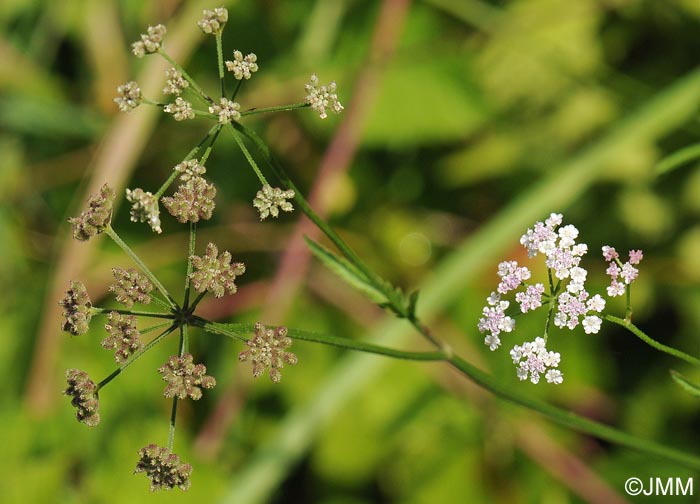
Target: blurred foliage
482,101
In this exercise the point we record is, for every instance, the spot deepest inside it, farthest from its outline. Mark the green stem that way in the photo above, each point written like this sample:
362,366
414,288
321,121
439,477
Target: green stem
652,342
114,236
213,132
134,312
171,430
199,93
205,113
571,420
197,300
280,108
136,356
249,157
190,253
235,91
160,302
210,147
235,330
628,308
220,61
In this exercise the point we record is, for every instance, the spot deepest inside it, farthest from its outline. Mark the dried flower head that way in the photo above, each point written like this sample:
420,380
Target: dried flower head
180,109
128,96
242,67
124,338
77,309
215,273
95,219
84,393
144,208
213,20
194,200
267,350
130,287
176,83
150,42
164,468
227,111
190,169
184,378
322,97
270,200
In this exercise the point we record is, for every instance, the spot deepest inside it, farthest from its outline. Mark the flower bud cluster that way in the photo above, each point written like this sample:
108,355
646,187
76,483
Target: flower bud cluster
190,169
213,20
267,350
215,273
243,67
96,218
164,468
77,309
184,378
270,200
144,208
176,83
128,96
84,393
621,275
130,287
124,338
227,111
181,109
150,41
194,200
322,97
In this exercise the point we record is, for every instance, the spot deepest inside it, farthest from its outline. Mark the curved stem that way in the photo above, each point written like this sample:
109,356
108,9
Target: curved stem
652,342
279,108
114,236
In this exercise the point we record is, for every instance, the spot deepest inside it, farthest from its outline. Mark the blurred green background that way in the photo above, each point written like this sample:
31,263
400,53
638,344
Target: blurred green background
465,122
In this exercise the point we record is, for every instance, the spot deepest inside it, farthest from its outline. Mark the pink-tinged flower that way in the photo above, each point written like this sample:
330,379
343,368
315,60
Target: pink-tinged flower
616,289
629,273
533,359
596,304
591,324
511,276
613,271
636,256
531,299
495,321
609,253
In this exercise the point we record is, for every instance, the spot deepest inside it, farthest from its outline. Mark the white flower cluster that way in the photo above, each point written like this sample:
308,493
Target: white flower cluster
533,359
150,42
190,169
227,111
213,21
128,96
180,109
270,200
176,83
573,303
322,97
242,67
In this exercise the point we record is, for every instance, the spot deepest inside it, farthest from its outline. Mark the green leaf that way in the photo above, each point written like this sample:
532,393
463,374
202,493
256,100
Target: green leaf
678,159
348,272
691,388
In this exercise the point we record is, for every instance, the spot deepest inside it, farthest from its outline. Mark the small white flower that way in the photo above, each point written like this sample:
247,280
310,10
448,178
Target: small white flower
180,109
270,200
144,208
596,303
227,111
129,96
591,324
176,83
190,169
213,21
242,67
493,342
554,376
322,97
150,42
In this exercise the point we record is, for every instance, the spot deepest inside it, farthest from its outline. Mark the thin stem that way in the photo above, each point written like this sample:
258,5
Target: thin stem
205,113
160,302
220,61
199,93
235,91
114,236
171,430
234,330
280,108
652,342
209,148
190,253
213,131
97,310
628,309
249,157
136,356
196,301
